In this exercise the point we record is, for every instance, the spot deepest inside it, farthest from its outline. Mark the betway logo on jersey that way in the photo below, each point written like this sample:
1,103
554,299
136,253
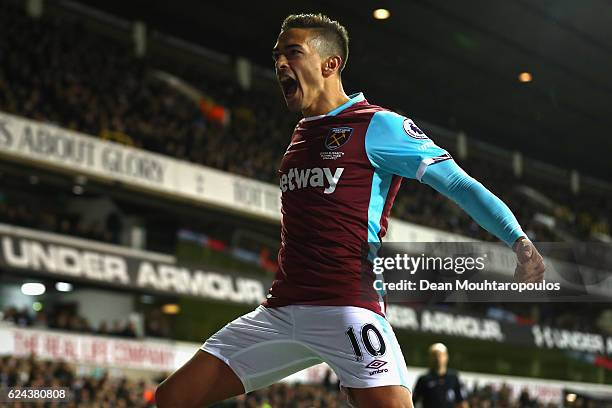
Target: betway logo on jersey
296,179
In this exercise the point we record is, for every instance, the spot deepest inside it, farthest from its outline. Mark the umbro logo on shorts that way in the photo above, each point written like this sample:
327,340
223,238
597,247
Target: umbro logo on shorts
376,365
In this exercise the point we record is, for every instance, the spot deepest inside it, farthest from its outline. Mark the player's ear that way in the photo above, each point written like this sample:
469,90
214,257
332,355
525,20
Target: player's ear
331,65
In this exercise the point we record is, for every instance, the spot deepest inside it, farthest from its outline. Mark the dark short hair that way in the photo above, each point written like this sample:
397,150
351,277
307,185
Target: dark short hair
334,35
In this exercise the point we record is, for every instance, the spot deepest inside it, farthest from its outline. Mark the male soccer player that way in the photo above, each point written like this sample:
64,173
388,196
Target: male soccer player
338,178
439,387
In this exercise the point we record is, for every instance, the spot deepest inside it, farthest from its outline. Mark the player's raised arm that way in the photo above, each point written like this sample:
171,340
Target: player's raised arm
489,212
395,144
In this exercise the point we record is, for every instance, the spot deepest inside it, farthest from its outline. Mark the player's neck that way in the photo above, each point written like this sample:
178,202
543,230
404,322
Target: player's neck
328,100
440,371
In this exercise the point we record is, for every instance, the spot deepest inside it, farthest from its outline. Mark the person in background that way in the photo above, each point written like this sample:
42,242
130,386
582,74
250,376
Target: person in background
439,387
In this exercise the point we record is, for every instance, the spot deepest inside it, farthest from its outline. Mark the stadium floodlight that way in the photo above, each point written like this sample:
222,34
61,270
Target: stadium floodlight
525,77
63,286
381,14
33,289
171,308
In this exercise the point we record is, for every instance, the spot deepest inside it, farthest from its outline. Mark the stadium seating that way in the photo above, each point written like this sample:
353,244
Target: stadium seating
96,388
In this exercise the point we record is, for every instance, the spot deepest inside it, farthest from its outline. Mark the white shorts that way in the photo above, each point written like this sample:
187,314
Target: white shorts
269,344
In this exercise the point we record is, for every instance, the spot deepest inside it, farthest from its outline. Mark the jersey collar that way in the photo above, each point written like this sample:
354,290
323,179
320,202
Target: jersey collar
353,99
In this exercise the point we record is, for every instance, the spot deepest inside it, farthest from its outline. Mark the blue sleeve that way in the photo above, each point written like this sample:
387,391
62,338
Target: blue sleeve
482,205
394,144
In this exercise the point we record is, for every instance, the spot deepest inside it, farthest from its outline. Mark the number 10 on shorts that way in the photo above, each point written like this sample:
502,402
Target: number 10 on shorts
367,333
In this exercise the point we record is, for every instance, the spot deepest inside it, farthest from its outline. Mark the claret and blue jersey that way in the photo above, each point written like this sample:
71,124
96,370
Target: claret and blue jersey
339,177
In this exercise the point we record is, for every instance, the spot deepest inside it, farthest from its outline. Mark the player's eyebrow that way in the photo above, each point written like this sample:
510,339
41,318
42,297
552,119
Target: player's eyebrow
276,50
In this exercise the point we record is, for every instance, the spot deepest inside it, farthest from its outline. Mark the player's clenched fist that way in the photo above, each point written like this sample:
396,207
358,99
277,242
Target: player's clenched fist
530,264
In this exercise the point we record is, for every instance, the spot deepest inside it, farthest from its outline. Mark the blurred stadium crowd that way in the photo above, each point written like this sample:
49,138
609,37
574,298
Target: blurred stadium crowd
87,390
101,389
48,74
65,319
50,215
583,317
328,396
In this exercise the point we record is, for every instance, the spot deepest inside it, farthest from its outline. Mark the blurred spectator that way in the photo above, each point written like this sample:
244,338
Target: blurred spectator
156,325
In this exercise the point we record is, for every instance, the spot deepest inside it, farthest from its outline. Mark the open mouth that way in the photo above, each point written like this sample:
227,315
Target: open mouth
290,87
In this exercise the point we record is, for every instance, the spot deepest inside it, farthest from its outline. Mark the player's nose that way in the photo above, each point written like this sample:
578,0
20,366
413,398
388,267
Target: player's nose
281,63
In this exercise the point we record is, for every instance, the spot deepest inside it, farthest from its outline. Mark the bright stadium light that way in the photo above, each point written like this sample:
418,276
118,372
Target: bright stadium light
381,14
570,397
171,308
525,77
33,289
63,286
